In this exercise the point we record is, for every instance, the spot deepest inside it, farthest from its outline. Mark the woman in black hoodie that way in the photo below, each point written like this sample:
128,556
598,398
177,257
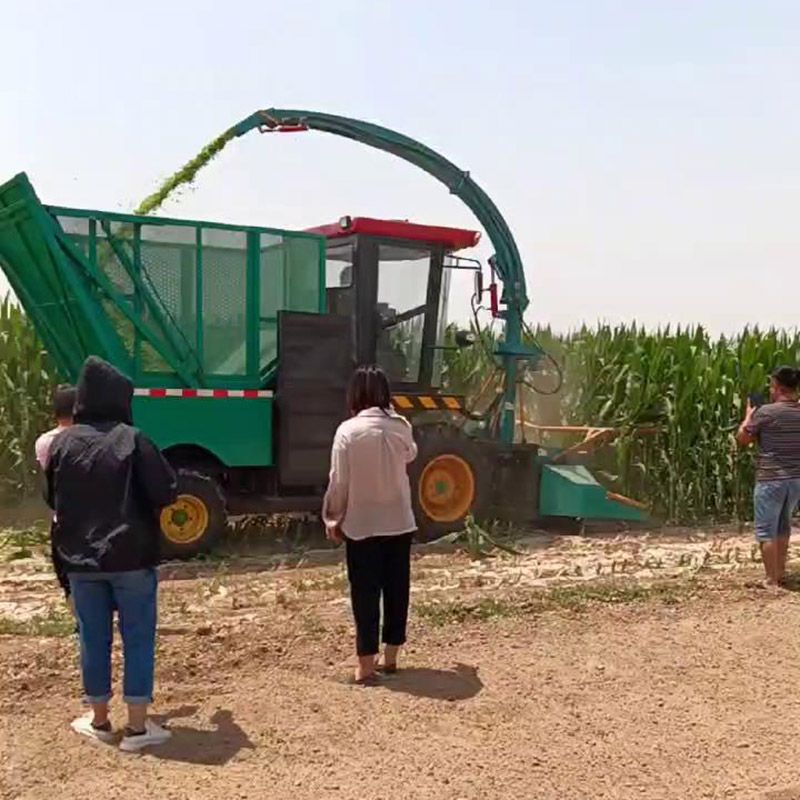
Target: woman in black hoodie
107,483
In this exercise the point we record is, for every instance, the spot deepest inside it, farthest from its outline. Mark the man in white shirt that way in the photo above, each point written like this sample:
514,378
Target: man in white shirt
63,405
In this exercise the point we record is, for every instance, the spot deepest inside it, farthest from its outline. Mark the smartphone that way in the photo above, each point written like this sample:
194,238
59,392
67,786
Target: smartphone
757,399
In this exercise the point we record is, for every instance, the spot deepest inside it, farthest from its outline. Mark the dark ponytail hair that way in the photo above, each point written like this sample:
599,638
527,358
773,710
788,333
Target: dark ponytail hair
787,378
369,388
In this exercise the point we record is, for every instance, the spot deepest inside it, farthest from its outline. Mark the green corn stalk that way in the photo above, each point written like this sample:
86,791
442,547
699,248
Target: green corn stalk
688,385
27,379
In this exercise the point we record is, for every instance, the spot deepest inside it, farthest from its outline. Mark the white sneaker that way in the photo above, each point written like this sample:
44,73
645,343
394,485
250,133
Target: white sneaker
83,726
153,735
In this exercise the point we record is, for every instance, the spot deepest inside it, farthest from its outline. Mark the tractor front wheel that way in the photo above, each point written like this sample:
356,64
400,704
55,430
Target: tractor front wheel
193,523
449,481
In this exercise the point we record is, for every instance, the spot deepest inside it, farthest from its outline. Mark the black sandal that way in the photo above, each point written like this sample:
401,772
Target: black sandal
387,669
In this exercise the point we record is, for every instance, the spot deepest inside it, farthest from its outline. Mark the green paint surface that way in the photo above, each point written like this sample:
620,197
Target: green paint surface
572,491
237,431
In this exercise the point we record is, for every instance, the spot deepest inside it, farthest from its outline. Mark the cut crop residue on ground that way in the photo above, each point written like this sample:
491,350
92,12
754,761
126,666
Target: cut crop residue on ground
523,679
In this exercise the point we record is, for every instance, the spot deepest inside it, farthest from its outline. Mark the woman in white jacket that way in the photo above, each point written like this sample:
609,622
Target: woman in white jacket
368,506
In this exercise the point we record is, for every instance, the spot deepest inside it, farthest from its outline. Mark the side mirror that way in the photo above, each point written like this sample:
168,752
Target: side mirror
478,284
464,338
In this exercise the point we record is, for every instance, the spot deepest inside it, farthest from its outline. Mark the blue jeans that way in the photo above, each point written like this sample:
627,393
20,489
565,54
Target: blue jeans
775,502
134,595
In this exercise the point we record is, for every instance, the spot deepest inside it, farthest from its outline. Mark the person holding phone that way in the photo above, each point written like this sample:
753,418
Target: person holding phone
368,507
774,427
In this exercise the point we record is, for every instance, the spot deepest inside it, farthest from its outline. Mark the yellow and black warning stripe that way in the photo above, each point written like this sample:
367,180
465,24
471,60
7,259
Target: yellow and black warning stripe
412,403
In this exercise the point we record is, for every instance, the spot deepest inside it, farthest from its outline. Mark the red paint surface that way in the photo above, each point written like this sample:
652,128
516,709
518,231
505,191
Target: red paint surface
452,238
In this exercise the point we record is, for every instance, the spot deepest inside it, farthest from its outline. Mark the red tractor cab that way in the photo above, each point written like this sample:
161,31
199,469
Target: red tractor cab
392,279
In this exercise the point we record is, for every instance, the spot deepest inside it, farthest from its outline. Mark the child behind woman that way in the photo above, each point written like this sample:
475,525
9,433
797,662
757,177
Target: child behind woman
63,406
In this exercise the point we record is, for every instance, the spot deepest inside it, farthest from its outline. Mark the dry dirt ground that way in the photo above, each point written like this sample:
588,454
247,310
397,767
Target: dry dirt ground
638,666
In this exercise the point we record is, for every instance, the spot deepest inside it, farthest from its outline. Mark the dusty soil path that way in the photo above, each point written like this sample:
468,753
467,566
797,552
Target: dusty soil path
529,676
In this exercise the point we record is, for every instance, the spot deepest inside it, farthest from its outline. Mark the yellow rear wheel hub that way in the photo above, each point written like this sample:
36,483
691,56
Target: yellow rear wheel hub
446,488
186,520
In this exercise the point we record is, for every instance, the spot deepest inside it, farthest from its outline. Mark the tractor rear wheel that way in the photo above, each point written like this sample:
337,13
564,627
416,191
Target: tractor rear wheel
193,523
449,481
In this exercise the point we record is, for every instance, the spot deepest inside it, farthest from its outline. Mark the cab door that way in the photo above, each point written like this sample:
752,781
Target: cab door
407,283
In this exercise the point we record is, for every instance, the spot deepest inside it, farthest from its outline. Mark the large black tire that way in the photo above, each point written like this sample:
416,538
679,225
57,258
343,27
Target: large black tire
193,524
450,479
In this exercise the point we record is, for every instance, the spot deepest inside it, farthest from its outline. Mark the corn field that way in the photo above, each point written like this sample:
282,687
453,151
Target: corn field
694,388
686,387
27,378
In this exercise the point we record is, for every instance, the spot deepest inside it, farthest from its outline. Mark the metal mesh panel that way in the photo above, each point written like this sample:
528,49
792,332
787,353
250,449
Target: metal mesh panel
78,230
304,274
290,280
105,256
272,266
170,302
168,258
224,301
187,286
108,259
122,325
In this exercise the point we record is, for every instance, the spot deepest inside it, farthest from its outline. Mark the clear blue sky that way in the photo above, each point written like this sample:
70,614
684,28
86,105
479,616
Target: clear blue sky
646,154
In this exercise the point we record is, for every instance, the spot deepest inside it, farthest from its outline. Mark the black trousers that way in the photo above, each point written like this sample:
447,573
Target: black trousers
379,567
58,565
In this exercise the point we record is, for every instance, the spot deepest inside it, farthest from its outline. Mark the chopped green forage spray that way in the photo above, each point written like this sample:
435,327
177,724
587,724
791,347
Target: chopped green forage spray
186,174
